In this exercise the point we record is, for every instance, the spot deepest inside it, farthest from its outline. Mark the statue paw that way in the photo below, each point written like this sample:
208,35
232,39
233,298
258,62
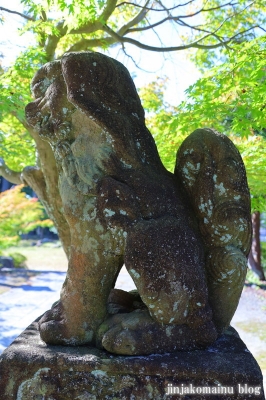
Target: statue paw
54,328
136,333
119,334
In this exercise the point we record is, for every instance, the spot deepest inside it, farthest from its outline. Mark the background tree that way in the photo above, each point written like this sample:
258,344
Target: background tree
62,26
19,214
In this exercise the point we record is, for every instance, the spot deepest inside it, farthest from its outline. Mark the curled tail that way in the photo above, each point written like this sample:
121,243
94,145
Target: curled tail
211,170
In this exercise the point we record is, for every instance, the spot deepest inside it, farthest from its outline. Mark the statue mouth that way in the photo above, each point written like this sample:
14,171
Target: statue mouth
50,129
39,119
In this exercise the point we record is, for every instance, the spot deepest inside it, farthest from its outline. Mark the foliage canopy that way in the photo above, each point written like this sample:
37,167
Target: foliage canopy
60,26
231,98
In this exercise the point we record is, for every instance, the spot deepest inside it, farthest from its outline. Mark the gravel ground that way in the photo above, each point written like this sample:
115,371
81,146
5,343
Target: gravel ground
250,322
25,300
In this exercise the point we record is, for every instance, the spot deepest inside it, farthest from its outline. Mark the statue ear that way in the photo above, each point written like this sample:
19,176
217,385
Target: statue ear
79,74
100,86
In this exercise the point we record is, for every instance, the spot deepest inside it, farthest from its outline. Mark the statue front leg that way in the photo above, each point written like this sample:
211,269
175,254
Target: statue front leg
91,275
75,319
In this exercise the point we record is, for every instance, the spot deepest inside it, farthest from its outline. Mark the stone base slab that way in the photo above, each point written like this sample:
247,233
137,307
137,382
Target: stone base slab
32,370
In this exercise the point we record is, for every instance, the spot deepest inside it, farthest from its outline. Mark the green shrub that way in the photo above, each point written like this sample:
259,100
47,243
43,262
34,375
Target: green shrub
19,214
18,259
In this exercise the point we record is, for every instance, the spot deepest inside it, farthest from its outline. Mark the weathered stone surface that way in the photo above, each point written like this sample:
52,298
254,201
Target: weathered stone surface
210,168
132,330
31,370
184,237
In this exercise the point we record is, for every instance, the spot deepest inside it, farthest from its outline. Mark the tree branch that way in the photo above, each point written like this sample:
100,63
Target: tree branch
88,28
154,9
243,32
85,44
132,59
33,177
222,41
108,10
177,19
144,28
10,175
143,46
51,46
17,13
98,24
135,21
182,23
207,10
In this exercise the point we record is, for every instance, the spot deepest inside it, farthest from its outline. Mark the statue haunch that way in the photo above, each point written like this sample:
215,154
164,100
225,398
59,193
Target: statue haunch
183,237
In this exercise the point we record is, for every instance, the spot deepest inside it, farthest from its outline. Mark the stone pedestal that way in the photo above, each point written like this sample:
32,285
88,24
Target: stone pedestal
32,370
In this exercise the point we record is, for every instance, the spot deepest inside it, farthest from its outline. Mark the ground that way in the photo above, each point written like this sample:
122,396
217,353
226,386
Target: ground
250,322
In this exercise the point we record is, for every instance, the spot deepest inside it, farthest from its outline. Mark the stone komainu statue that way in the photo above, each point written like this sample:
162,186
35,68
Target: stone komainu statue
183,237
